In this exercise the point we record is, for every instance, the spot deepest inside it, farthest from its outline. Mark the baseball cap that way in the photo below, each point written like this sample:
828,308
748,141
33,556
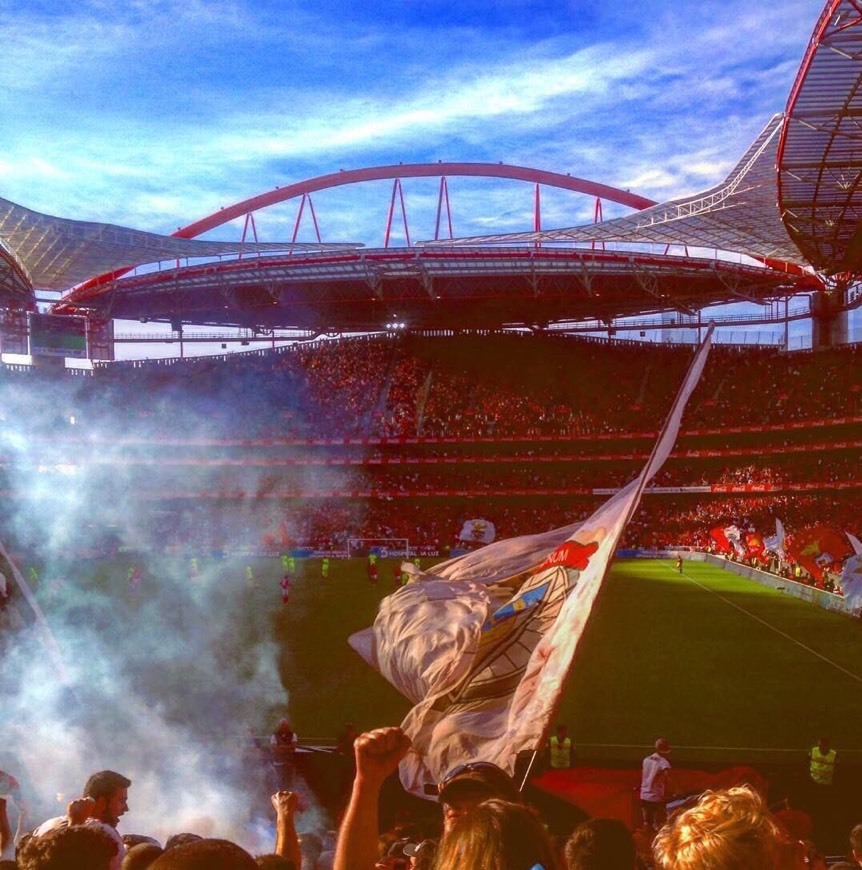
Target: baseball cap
661,745
481,778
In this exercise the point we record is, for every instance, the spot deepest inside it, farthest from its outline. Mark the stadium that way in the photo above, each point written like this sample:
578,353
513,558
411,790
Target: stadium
188,541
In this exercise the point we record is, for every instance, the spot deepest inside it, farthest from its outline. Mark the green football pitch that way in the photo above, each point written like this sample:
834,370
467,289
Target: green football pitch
729,671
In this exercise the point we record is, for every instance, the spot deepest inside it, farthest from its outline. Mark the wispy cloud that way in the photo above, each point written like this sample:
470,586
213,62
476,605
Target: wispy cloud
154,113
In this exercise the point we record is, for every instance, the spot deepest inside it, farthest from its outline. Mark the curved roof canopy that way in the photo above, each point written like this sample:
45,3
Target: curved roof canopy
739,215
15,286
820,153
441,288
431,288
55,253
105,283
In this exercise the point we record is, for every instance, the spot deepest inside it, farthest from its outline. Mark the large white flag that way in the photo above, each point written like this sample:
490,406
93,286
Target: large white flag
483,645
734,535
775,543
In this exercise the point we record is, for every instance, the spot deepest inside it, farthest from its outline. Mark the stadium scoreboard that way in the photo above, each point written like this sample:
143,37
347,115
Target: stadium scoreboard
55,336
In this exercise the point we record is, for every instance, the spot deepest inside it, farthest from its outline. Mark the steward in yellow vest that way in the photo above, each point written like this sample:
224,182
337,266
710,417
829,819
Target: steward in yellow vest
821,761
561,749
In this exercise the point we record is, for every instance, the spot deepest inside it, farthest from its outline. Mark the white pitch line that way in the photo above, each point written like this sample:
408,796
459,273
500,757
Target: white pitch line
770,749
783,634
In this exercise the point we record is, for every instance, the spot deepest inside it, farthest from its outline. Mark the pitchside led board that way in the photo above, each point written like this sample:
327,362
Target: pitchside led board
58,336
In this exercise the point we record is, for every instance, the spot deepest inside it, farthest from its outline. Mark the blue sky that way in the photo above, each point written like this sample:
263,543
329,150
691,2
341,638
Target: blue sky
152,113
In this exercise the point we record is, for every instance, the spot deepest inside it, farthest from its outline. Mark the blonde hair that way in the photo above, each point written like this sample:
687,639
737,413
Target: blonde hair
729,829
496,835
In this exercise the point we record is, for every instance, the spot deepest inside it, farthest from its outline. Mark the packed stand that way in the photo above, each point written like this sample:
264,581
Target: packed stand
455,387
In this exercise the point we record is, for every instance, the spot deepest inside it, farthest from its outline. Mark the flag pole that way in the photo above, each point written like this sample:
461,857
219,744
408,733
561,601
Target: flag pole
679,403
661,445
529,768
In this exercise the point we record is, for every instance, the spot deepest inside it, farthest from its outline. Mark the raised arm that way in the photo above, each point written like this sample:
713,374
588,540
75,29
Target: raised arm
286,842
377,755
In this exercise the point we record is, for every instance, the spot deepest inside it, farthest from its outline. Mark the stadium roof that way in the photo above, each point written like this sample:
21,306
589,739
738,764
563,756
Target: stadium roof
429,288
820,153
789,207
739,215
476,283
56,253
484,283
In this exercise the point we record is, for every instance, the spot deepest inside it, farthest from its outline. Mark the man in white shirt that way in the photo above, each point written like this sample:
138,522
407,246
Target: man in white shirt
655,773
105,799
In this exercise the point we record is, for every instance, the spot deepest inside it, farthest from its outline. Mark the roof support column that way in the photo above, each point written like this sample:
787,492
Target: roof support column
830,325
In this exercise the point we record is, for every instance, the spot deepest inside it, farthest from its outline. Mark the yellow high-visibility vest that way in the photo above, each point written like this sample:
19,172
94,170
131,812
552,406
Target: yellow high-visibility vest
822,766
561,753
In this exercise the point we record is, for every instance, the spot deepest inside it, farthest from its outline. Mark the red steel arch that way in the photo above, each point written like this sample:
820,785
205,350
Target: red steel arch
413,170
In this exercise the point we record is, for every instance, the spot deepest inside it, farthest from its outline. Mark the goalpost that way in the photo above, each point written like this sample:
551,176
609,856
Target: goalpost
382,547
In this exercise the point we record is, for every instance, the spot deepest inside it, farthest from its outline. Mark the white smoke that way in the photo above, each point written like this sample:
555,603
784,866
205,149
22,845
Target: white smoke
166,677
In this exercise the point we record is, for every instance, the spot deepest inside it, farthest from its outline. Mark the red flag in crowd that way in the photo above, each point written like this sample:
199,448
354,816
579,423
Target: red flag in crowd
818,547
721,542
754,545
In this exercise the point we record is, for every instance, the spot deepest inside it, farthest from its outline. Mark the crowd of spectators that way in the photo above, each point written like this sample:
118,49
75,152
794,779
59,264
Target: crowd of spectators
86,836
434,523
483,820
686,521
457,386
219,451
259,473
756,387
